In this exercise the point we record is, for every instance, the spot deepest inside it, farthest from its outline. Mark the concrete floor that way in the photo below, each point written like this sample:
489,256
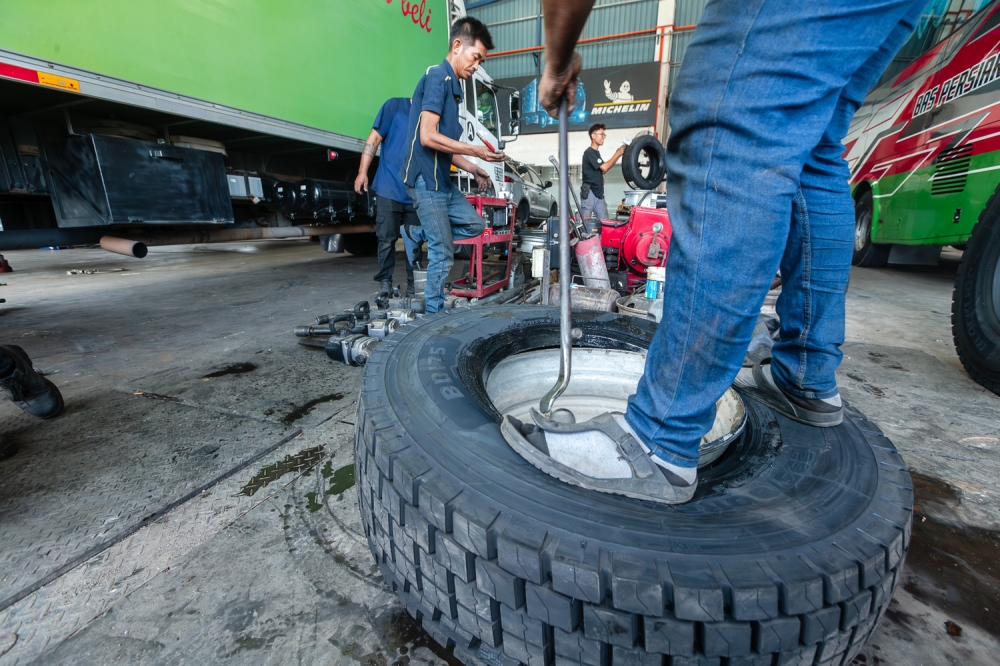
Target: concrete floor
195,503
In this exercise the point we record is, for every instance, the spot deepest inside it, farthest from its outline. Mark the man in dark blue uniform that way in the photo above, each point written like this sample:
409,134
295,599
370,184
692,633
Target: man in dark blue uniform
432,147
393,205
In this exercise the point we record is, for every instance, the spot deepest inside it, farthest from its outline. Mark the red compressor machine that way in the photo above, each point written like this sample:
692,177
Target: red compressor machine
633,245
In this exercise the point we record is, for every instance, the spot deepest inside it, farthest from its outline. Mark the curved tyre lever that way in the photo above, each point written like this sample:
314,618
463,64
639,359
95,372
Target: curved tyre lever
565,318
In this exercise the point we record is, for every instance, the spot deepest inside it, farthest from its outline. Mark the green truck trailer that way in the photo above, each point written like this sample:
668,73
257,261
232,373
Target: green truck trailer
167,119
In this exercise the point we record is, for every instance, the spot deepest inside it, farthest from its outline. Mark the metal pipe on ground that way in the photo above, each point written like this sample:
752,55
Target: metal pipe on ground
502,297
257,233
30,239
129,248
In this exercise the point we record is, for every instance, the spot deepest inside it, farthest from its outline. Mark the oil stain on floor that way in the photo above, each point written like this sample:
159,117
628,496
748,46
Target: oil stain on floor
233,369
959,563
297,413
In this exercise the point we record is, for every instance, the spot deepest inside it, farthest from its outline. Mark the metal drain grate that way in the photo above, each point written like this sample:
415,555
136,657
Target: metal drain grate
951,170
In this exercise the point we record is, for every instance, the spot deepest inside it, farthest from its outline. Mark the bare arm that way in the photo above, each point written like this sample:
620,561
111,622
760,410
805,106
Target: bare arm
431,138
367,154
482,178
564,21
614,159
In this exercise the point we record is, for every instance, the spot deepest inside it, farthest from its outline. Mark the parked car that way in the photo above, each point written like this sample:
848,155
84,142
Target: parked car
532,198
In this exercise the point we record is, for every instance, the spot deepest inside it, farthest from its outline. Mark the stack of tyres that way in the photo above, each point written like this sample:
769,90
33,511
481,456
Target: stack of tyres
788,553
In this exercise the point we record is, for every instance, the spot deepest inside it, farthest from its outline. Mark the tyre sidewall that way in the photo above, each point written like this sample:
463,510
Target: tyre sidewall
976,323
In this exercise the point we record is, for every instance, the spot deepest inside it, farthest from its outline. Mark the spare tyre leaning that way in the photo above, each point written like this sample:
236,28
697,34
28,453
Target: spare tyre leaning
788,554
649,148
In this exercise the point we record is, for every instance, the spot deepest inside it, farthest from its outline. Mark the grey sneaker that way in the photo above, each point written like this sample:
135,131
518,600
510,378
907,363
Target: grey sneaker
27,388
821,413
629,471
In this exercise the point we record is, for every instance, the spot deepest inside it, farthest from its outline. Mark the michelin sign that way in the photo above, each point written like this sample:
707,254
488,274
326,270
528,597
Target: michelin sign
616,96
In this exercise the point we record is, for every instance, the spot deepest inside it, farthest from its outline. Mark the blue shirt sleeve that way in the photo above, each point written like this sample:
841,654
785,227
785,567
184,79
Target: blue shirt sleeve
435,91
383,121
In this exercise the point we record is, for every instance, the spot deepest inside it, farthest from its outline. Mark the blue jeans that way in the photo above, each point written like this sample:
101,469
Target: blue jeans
413,243
755,182
444,216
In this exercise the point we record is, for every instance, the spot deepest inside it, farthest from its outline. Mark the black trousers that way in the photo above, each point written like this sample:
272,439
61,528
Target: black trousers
390,215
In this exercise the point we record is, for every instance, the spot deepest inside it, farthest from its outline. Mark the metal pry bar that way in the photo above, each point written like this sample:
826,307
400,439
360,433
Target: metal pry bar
565,319
579,208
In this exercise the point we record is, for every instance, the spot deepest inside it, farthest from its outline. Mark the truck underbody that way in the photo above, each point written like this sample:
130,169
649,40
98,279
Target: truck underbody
74,168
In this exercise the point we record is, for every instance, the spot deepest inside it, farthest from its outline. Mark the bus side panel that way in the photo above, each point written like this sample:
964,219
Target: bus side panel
917,215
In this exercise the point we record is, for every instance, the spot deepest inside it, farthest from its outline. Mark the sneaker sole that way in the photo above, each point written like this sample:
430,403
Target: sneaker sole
567,475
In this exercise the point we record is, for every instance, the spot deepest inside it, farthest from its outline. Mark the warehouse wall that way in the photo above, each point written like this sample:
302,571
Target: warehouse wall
517,25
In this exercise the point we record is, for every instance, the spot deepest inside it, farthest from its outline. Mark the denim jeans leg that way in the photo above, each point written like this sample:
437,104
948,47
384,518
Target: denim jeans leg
465,221
759,88
816,266
432,208
388,215
413,240
409,219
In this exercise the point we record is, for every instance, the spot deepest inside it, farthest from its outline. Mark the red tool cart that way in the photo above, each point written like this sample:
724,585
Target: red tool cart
499,230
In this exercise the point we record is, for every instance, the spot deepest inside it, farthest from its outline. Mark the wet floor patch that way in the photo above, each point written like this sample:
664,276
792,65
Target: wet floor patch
340,480
232,369
959,565
298,462
157,396
300,411
402,634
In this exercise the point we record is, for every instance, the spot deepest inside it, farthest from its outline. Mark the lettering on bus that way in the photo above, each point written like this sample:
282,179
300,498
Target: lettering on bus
977,76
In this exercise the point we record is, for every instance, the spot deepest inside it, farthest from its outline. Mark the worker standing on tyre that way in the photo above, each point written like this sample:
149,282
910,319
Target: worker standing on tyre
755,182
594,167
393,207
433,146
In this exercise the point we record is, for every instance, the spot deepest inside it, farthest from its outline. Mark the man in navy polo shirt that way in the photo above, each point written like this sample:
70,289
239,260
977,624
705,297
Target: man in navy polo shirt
432,147
392,203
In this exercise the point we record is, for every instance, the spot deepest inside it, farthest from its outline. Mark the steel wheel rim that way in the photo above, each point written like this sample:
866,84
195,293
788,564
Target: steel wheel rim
601,381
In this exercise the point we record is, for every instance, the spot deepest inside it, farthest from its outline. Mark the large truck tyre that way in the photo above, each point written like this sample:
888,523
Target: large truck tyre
788,554
361,245
866,253
975,306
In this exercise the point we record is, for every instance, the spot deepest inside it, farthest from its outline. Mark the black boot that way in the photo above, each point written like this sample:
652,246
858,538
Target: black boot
25,387
7,449
410,291
384,287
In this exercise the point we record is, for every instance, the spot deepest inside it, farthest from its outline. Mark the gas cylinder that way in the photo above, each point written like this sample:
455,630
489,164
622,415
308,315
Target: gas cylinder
590,258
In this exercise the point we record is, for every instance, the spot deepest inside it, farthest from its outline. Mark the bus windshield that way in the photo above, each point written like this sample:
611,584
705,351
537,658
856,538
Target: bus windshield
940,20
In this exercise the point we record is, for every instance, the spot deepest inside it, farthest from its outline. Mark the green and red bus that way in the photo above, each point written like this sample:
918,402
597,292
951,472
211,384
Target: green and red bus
924,152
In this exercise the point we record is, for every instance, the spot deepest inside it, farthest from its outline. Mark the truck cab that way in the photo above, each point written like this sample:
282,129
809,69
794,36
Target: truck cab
482,115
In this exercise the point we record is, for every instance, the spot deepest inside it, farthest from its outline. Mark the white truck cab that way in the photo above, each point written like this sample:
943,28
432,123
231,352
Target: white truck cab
480,115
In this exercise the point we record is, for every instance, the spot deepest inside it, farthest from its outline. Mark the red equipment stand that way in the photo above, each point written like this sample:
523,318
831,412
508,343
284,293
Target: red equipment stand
502,232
